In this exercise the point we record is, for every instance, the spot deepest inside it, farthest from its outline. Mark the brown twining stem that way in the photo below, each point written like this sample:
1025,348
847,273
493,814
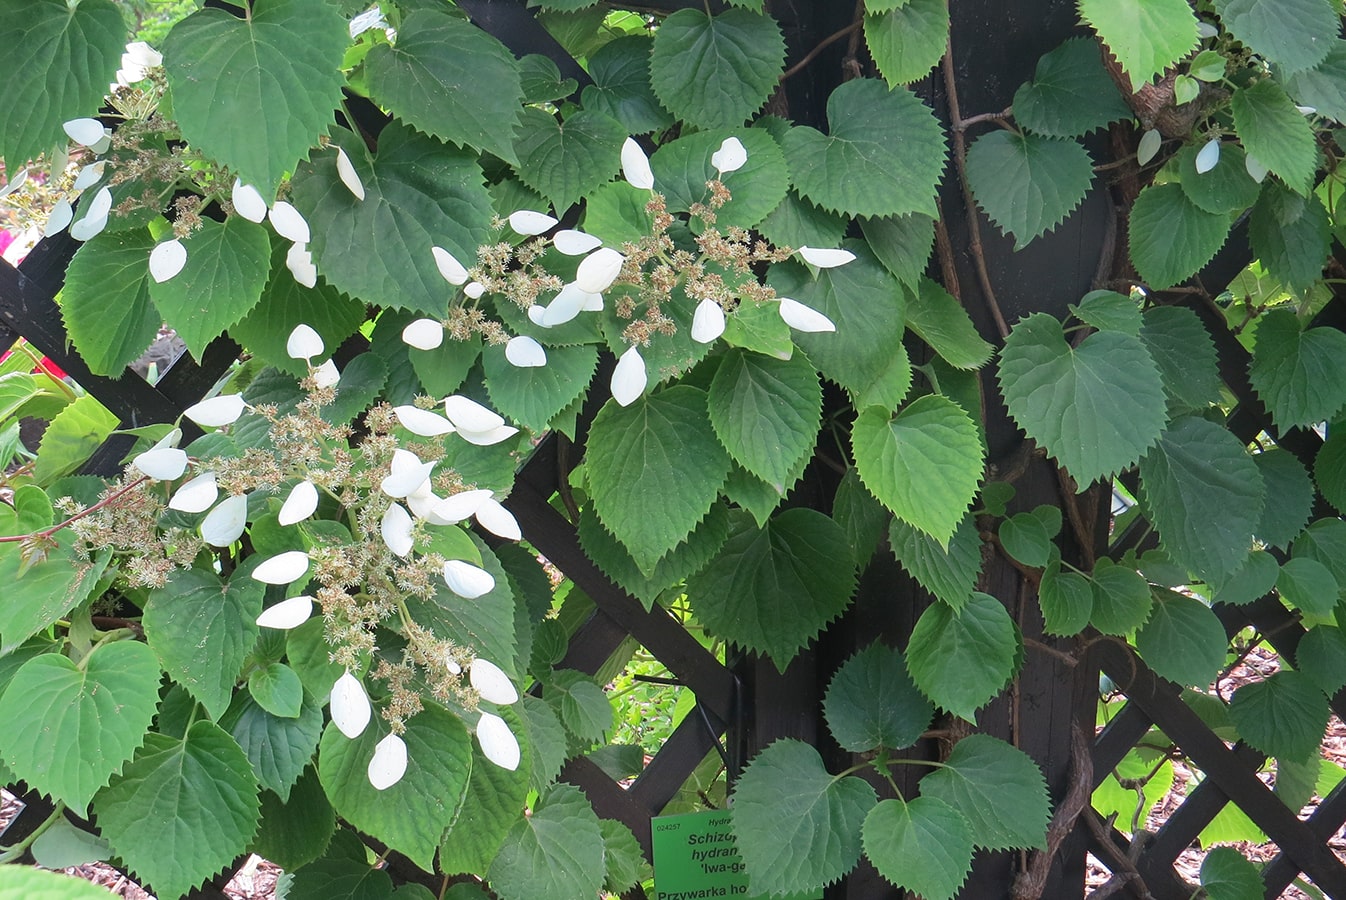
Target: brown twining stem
48,532
1123,868
944,252
1066,659
822,45
1032,881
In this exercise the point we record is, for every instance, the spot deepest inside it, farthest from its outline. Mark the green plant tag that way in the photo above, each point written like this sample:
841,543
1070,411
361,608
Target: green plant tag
695,856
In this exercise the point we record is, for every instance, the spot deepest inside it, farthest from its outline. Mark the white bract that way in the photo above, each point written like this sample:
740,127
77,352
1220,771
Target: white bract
225,523
350,706
289,222
61,215
491,682
498,520
529,222
85,132
95,216
468,415
423,334
466,580
396,530
730,157
18,180
283,568
488,438
566,305
301,504
287,614
474,289
449,267
459,506
349,177
422,422
1208,156
1255,168
636,166
804,318
299,261
303,343
88,176
575,243
104,145
166,260
1149,145
629,377
498,743
326,375
389,763
163,462
708,322
197,495
248,202
525,353
599,270
217,411
825,259
407,473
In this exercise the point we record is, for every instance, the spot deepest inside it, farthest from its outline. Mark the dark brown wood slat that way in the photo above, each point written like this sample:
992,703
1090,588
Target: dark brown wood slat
1326,820
608,798
1202,804
1116,740
513,24
681,754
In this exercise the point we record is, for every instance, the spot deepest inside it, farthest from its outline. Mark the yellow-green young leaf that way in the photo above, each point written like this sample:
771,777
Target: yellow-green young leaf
1171,237
1282,715
57,63
997,788
182,809
901,243
419,194
1071,92
532,397
716,71
682,168
924,464
73,726
566,160
1321,86
413,814
1276,133
554,854
1095,407
772,589
1145,765
906,42
655,468
766,412
35,884
493,803
1183,641
683,561
1292,250
621,88
278,748
1299,375
106,300
1295,34
1321,656
1026,183
961,658
1146,36
871,702
949,572
448,78
1122,599
923,846
295,831
876,159
1227,874
797,827
1067,600
941,322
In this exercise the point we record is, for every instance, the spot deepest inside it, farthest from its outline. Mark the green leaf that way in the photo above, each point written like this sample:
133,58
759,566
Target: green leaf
35,884
566,160
71,438
493,803
59,59
1183,640
1227,874
1071,93
546,741
871,702
343,873
1067,600
961,658
277,689
449,79
1254,579
1325,541
63,845
73,726
861,516
182,809
105,302
281,64
798,223
716,71
1026,183
1171,237
1321,656
1145,766
661,446
1321,86
796,826
443,370
621,88
766,412
412,815
306,648
1299,375
1095,407
683,561
485,623
997,788
949,572
759,327
1183,350
532,397
40,591
907,42
1276,133
201,628
1204,494
773,589
580,704
278,748
1308,585
419,194
682,168
1329,468
877,158
554,854
293,832
922,846
1292,252
941,322
623,861
1122,599
1282,715
1025,537
901,243
1146,36
1287,481
1225,189
1289,32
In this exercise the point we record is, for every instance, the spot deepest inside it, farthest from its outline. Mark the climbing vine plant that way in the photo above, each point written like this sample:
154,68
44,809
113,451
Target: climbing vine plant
289,620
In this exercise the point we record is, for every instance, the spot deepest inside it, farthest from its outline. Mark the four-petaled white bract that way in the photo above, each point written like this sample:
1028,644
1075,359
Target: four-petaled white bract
636,166
301,504
349,177
389,763
708,322
303,343
824,258
395,529
575,243
287,614
283,568
299,261
326,375
422,422
197,495
248,202
289,222
406,474
525,353
491,682
162,463
1149,145
423,334
730,157
629,377
1208,156
167,259
457,507
217,412
225,523
449,266
466,580
498,520
529,222
599,270
85,132
350,706
498,743
804,318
